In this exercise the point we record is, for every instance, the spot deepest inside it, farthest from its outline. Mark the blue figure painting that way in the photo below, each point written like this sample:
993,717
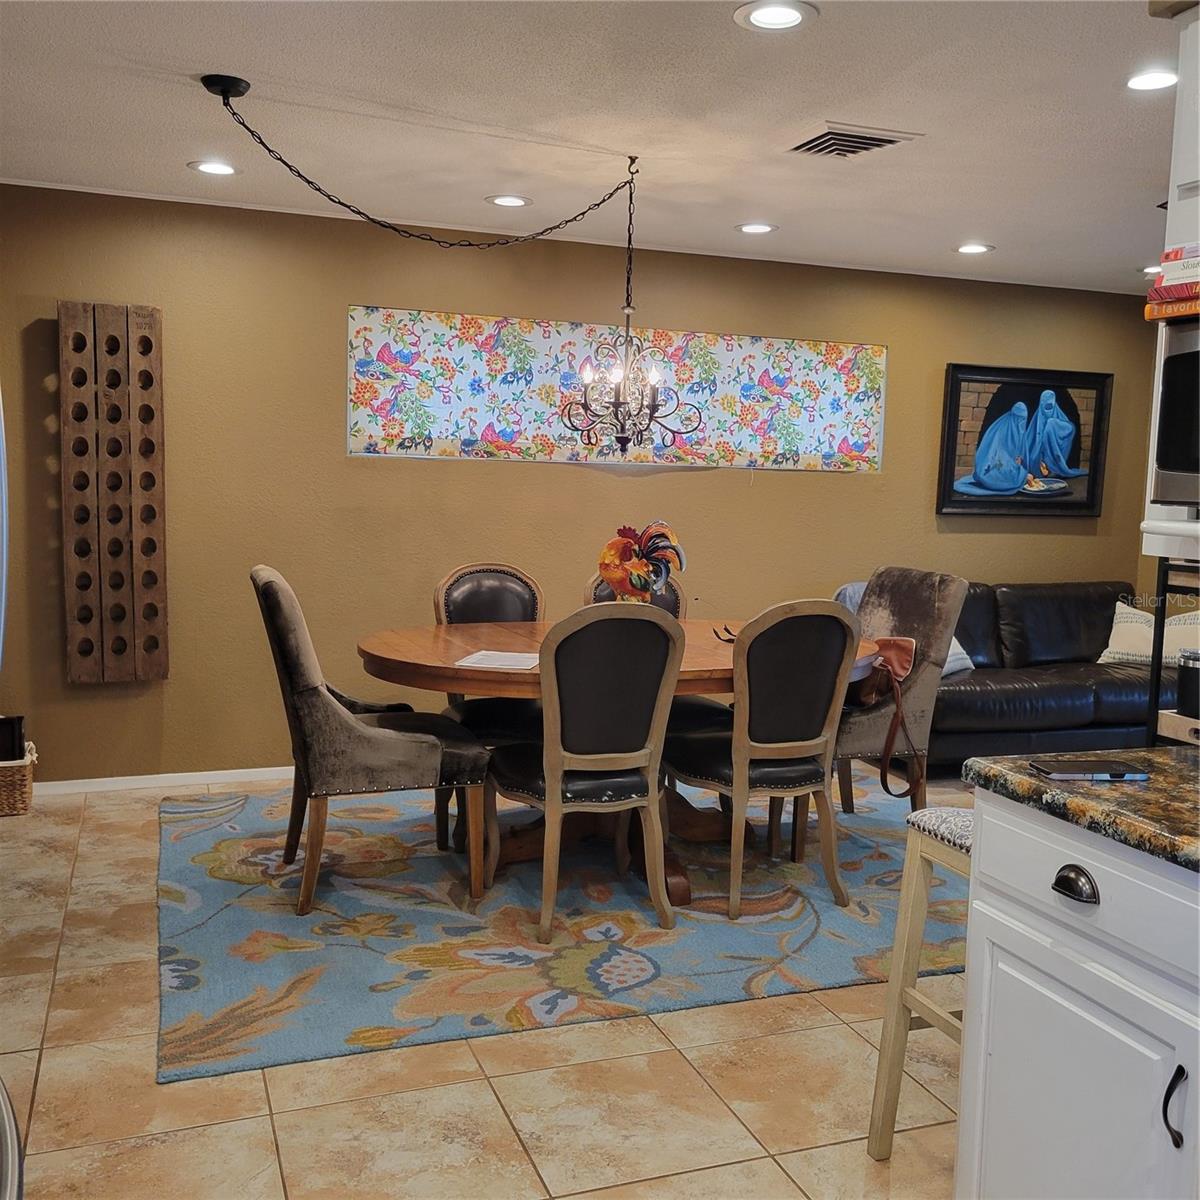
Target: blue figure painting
1050,439
1000,459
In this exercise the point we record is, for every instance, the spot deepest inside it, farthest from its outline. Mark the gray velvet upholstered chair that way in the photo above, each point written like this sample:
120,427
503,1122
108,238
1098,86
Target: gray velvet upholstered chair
608,674
791,666
476,594
343,746
901,602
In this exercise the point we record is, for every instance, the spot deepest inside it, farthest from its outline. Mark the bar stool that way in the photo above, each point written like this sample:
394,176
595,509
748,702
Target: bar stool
939,836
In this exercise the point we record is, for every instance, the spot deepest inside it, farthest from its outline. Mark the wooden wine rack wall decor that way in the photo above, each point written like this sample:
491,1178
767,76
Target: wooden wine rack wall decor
113,491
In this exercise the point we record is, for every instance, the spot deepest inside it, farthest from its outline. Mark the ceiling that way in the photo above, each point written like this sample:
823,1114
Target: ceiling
416,111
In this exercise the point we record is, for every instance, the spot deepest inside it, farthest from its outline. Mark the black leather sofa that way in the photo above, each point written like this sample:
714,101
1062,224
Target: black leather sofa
1037,686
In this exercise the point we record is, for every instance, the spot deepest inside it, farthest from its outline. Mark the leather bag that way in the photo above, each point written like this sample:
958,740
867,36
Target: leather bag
893,665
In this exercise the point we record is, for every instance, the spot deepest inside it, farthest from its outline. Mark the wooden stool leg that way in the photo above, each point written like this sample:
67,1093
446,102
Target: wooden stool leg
491,826
656,879
737,848
775,828
475,837
550,850
906,960
845,773
799,826
916,769
441,816
827,829
296,819
318,812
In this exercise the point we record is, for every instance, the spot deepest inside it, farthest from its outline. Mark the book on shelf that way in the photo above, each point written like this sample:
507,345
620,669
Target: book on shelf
1184,270
1185,250
1165,309
1174,291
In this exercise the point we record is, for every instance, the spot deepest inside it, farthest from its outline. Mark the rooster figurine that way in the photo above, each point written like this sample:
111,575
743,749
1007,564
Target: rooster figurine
636,564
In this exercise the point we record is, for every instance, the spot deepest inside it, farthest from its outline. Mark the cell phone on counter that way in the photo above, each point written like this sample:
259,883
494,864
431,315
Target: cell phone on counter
1095,770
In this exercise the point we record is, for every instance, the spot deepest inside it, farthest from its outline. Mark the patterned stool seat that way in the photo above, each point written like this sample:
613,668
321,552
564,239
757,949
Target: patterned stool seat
954,826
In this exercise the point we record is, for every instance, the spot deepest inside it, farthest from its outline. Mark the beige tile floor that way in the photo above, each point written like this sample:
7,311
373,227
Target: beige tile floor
764,1098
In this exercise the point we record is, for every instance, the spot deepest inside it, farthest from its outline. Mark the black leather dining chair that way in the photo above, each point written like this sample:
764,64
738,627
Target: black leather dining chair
608,673
481,593
791,666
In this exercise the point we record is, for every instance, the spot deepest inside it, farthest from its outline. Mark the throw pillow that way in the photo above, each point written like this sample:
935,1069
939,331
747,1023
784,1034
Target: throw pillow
1132,636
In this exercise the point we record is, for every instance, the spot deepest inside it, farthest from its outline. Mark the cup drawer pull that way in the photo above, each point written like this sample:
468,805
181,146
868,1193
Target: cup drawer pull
1077,884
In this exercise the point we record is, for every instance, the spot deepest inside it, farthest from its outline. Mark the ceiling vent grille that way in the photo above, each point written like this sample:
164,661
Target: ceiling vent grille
835,140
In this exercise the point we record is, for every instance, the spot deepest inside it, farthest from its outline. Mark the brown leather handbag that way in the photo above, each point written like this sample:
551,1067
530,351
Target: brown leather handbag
890,669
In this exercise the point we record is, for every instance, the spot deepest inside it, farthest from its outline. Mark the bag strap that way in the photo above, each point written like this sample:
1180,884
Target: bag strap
899,725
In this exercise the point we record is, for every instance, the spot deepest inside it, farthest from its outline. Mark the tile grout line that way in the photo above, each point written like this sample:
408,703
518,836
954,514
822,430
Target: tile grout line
696,1071
511,1123
274,1133
136,1137
736,1162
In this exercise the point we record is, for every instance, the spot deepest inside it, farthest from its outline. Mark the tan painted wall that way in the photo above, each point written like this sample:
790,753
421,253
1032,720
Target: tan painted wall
254,344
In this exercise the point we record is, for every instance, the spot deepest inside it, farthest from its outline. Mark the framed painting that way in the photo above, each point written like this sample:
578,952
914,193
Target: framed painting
1023,442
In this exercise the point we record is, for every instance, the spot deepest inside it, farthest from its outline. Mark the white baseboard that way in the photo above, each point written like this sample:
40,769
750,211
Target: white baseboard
123,783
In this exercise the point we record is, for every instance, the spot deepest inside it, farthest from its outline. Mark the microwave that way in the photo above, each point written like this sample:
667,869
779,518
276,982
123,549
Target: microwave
1175,461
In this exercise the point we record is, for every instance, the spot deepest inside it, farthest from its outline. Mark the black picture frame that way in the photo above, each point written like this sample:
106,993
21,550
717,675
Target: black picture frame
977,397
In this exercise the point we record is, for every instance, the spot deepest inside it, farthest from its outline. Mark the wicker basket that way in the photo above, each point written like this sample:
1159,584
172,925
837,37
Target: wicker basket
16,783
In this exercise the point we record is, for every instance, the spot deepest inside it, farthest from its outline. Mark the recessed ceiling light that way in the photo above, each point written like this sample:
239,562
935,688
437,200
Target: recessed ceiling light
757,227
975,248
210,166
1154,270
510,201
775,14
1151,81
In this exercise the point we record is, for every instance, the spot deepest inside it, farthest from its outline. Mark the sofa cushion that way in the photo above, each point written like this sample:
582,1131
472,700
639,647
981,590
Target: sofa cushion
995,698
977,629
1056,622
1121,690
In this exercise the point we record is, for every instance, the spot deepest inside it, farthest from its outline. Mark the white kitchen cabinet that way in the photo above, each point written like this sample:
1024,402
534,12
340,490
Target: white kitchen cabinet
1078,1018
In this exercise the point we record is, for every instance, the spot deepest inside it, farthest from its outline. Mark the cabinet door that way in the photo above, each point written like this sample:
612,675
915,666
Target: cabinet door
1068,1100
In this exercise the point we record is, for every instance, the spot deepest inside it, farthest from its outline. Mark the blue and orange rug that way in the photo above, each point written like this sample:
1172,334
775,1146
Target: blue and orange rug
394,953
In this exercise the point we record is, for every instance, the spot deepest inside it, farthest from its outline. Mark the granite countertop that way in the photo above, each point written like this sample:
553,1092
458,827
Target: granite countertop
1160,816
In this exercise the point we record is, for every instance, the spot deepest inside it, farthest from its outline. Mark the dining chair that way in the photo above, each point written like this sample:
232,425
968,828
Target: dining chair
342,746
901,602
608,673
791,665
689,714
481,593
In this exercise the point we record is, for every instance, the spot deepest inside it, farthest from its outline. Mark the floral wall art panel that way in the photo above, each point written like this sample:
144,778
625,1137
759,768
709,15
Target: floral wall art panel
451,385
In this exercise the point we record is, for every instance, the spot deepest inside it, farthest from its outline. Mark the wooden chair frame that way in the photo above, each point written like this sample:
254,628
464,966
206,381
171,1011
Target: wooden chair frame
822,746
589,594
904,1001
556,761
441,796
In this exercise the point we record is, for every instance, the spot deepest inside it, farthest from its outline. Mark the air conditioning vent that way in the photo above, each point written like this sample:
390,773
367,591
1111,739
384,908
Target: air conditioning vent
834,140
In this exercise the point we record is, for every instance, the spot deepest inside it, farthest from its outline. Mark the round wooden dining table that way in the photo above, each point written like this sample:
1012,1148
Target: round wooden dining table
427,657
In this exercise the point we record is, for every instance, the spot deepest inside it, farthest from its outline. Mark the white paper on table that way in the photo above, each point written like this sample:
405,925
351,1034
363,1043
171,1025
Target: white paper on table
500,660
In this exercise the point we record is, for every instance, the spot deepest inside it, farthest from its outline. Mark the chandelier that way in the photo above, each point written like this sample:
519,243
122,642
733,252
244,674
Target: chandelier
624,396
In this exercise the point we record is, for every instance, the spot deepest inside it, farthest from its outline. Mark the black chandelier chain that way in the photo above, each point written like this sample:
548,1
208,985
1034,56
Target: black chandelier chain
629,239
445,243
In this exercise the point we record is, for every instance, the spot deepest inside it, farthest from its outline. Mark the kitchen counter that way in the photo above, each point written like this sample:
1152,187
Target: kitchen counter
1160,816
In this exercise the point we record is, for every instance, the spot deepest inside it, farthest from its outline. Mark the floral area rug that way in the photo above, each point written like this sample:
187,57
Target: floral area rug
394,952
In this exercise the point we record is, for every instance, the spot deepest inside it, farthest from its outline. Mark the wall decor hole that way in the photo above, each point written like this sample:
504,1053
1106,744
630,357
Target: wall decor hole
146,413
118,645
115,547
113,481
147,481
112,344
83,547
116,580
146,448
83,581
84,614
145,380
145,344
79,377
113,413
148,514
82,514
117,612
112,378
78,342
114,513
80,446
150,644
149,611
79,411
113,447
85,648
80,481
149,547
149,579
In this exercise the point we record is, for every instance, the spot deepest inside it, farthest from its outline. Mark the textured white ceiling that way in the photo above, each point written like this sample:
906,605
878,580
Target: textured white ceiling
416,111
